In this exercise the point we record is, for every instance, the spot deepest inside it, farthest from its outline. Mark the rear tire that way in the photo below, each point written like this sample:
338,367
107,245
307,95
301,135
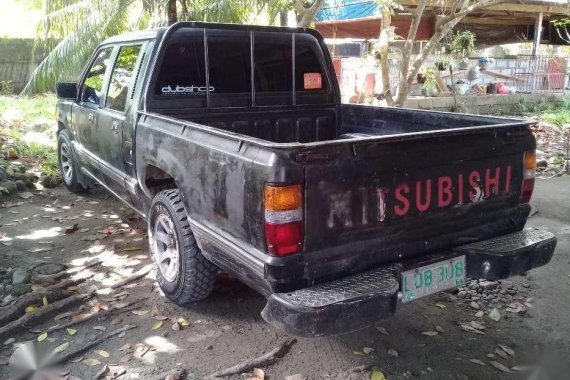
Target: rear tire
68,165
183,273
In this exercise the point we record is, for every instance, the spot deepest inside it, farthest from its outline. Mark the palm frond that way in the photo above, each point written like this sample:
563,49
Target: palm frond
66,60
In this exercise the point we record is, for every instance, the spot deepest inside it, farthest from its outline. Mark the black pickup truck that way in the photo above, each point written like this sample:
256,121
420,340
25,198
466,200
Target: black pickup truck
232,143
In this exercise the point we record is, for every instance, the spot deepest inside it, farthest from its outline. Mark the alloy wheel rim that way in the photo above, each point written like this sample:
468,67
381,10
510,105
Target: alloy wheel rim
66,163
166,249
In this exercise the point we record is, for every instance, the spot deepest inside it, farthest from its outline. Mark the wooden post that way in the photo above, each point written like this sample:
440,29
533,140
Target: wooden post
537,33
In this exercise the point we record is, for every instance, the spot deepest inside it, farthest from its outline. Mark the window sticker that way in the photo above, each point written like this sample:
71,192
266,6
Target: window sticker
185,90
312,81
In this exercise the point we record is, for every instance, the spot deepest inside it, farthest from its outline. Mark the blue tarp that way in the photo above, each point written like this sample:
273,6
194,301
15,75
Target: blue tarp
334,10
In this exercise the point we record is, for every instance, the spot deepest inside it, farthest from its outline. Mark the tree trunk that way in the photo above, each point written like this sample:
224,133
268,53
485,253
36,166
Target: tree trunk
383,49
184,7
171,12
307,14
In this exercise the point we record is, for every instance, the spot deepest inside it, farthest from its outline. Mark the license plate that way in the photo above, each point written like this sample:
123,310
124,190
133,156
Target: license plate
433,278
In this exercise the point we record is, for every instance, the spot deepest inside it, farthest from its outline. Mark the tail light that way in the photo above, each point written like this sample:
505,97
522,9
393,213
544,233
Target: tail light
283,219
528,176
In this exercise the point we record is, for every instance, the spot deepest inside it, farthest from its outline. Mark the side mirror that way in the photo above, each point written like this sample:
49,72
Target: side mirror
66,90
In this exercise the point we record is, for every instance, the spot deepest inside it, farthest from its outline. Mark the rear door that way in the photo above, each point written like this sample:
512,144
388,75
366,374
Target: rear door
114,117
85,112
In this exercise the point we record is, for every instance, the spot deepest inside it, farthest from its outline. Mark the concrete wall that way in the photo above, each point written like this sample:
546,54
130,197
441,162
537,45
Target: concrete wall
483,104
17,61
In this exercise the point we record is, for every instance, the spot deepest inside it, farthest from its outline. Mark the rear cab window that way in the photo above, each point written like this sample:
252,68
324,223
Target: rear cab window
233,68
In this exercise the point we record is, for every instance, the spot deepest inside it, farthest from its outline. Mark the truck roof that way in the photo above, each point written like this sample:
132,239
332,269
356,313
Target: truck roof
158,32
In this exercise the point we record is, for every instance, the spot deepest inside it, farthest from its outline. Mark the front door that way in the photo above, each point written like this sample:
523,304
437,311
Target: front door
85,112
117,114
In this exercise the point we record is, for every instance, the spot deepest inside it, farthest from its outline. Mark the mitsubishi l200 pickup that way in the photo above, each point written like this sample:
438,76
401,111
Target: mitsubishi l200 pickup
232,142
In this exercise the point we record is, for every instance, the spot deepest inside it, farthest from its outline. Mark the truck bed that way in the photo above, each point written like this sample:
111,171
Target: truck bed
312,125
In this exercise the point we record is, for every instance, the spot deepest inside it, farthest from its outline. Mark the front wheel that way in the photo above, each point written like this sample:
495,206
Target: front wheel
183,273
68,164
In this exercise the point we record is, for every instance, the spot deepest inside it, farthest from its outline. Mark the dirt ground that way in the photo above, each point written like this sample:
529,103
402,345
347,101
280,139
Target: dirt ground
227,328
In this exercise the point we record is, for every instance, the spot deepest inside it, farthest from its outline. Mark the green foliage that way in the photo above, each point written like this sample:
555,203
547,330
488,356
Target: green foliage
430,82
6,87
463,44
71,29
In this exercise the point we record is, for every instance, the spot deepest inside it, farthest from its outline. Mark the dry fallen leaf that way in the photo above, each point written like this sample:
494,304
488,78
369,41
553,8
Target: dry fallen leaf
377,375
71,229
477,361
126,358
439,329
157,325
42,337
61,348
507,349
500,366
31,309
470,329
183,322
176,326
159,317
382,330
358,353
393,352
71,331
100,328
91,362
102,373
77,359
62,316
102,353
429,333
440,305
502,354
25,195
45,301
367,350
476,325
258,374
140,312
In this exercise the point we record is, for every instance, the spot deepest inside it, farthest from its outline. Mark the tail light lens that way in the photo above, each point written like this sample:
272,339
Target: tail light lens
528,176
283,219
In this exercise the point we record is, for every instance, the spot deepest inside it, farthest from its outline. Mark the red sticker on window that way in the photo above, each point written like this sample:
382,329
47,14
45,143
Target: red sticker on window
312,81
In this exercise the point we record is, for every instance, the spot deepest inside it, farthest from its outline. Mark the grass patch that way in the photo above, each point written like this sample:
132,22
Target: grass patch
34,149
29,109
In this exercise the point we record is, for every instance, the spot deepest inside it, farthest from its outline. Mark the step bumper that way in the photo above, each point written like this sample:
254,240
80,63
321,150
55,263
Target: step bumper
358,301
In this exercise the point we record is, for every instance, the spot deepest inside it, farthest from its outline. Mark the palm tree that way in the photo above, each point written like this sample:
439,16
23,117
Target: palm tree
71,29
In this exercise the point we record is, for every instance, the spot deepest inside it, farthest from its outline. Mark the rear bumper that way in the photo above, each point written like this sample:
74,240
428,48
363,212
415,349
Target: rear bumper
358,301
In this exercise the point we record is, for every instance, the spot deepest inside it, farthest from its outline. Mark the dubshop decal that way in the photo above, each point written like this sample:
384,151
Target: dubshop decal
186,90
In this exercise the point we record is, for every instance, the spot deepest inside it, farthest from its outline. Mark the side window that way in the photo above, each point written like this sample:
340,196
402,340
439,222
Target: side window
122,77
182,70
93,84
273,62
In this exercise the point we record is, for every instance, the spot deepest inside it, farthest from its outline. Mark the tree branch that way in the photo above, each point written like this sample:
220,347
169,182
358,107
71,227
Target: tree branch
408,47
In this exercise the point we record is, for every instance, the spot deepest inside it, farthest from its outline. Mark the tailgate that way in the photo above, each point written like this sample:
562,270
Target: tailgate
372,202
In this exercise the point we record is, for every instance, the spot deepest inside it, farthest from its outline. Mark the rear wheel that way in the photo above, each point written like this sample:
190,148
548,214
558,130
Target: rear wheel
68,166
183,273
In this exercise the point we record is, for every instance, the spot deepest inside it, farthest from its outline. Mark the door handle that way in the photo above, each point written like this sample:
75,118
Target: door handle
115,127
91,117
